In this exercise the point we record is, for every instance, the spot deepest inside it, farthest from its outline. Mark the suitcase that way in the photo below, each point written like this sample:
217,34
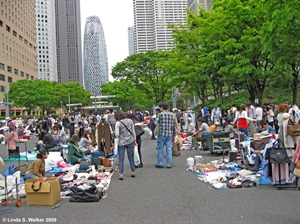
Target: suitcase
239,137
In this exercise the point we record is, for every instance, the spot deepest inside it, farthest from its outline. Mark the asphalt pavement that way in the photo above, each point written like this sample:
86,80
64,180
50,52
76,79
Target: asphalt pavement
166,196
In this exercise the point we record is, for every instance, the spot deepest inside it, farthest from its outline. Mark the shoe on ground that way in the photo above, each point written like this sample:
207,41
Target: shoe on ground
140,166
169,167
157,166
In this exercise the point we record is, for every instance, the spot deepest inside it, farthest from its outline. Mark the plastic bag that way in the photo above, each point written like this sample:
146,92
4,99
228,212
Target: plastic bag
10,170
136,156
116,146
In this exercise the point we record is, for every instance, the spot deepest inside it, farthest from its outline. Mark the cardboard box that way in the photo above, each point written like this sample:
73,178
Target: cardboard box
41,191
256,136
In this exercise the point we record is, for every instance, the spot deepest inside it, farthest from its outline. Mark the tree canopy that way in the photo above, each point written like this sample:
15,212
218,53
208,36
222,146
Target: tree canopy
46,95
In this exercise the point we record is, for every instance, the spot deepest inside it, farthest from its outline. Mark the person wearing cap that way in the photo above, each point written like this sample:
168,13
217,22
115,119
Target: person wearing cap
229,128
191,127
75,156
265,138
197,136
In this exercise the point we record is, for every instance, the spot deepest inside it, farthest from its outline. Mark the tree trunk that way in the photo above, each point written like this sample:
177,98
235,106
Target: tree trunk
229,91
294,84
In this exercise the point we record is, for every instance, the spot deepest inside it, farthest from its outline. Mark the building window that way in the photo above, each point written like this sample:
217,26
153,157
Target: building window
22,74
27,76
16,71
2,89
15,33
9,69
7,28
9,79
2,77
32,78
1,23
2,66
20,38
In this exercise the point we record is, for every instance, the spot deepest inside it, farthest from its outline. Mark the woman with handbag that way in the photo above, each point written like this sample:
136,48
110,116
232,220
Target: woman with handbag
139,132
75,156
126,134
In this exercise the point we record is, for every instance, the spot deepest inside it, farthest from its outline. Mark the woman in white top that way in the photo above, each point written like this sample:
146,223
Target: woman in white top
242,118
269,115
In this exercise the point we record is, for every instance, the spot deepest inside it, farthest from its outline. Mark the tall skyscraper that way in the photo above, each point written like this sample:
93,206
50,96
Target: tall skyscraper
193,4
46,40
131,41
68,41
94,56
17,44
151,19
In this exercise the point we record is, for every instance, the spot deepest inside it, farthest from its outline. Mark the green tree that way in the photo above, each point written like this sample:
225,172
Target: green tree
238,24
147,72
281,37
22,94
127,95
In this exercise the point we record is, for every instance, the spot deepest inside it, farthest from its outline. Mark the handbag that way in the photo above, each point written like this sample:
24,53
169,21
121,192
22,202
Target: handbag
136,156
91,194
278,155
84,165
106,162
138,131
293,127
297,169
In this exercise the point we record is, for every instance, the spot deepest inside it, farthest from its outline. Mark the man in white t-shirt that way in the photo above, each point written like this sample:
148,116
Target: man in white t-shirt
259,116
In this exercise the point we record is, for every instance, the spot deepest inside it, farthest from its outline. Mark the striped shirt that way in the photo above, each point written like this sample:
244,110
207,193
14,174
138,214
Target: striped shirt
166,124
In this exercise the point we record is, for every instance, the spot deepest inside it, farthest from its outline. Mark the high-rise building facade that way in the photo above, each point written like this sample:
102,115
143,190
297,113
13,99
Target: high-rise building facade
46,40
68,41
151,20
17,44
131,40
194,4
94,56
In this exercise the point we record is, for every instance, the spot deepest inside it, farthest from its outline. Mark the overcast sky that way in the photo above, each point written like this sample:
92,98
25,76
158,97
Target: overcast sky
116,16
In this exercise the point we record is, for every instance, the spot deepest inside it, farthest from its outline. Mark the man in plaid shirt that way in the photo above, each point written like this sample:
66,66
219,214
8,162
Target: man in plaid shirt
166,135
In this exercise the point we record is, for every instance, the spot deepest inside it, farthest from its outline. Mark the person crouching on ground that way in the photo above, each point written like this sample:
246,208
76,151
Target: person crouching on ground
126,134
37,168
75,156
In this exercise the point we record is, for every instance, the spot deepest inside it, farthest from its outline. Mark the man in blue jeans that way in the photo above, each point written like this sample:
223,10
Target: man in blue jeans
166,135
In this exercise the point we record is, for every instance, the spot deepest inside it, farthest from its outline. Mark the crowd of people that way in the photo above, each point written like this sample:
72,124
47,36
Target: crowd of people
79,132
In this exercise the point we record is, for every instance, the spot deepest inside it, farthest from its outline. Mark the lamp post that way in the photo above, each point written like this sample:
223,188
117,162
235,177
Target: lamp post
60,109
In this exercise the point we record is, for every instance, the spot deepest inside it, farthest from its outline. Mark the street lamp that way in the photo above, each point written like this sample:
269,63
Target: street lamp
60,109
